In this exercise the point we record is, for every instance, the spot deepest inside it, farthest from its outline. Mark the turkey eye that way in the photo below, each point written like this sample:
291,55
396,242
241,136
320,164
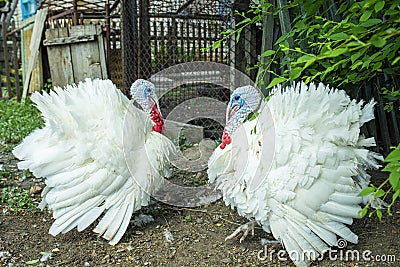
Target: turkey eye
148,90
236,97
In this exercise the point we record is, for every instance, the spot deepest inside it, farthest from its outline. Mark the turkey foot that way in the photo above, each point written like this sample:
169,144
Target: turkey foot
245,228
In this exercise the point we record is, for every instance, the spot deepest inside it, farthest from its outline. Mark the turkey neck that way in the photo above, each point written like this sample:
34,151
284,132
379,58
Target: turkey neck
157,119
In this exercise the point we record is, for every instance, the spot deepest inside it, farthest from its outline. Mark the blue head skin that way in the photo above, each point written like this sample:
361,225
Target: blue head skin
243,101
144,93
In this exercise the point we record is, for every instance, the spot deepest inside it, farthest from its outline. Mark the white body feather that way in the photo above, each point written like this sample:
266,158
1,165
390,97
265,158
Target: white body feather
310,186
98,154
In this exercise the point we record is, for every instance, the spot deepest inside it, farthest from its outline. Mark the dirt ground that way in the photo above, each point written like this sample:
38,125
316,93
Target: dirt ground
197,238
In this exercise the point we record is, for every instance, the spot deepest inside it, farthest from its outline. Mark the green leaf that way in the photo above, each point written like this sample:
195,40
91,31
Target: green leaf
336,52
391,167
393,156
391,12
246,20
394,178
368,3
296,72
363,212
395,196
282,38
365,16
379,214
267,53
275,81
239,31
366,191
300,25
358,29
305,58
377,41
370,22
353,44
379,193
377,66
32,262
355,56
395,60
378,6
216,44
339,36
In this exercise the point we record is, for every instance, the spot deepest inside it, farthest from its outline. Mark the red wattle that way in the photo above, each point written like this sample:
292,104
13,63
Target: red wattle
226,140
157,119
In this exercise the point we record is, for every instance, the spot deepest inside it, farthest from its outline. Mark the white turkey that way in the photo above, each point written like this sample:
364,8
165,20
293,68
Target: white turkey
298,167
99,154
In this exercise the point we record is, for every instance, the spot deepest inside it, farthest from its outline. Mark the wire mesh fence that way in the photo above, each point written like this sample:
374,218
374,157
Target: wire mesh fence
144,37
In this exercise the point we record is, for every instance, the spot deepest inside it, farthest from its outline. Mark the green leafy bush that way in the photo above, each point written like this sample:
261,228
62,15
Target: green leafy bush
393,167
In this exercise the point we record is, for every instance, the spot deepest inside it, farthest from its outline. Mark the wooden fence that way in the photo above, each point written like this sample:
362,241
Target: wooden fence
10,84
75,53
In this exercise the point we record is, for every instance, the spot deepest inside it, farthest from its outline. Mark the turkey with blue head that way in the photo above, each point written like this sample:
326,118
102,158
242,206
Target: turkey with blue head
298,167
98,153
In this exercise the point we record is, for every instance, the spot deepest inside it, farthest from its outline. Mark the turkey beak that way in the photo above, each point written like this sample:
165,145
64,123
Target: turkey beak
152,102
231,111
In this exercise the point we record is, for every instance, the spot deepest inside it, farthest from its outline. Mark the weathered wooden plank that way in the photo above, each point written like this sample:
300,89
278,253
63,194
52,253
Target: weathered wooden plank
102,52
68,40
6,59
381,117
40,18
15,63
85,56
60,61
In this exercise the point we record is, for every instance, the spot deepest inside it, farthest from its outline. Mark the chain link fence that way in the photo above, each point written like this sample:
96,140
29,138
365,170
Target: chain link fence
144,37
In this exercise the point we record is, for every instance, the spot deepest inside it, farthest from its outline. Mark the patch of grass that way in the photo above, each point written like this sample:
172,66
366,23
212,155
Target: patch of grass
196,181
17,120
182,142
17,199
187,218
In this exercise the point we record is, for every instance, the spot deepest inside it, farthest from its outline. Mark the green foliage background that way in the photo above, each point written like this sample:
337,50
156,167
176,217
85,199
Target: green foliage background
347,44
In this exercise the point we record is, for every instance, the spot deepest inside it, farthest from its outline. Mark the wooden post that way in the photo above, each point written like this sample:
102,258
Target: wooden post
266,44
75,14
188,36
163,51
381,117
6,57
108,41
240,47
129,43
157,67
285,24
15,63
40,18
145,48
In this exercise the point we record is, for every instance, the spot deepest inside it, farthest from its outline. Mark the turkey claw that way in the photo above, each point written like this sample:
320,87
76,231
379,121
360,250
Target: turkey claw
245,228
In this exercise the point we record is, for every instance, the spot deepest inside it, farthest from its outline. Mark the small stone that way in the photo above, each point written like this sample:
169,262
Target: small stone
35,190
226,260
199,175
46,256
